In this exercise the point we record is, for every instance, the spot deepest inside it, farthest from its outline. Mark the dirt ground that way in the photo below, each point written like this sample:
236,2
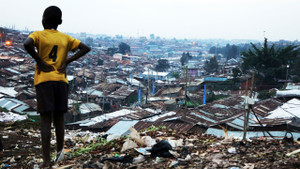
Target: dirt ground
21,143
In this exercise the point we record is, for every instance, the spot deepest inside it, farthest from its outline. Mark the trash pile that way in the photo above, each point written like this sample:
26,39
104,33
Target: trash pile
11,117
155,148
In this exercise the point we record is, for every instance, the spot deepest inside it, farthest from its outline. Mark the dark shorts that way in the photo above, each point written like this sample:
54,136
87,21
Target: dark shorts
52,96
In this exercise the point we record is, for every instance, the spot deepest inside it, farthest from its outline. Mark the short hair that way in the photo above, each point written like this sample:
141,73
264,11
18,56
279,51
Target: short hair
52,15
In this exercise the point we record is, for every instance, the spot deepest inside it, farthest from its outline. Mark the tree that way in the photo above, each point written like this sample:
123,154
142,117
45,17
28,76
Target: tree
124,48
175,75
111,51
162,65
270,62
211,65
185,58
232,52
100,62
213,50
236,73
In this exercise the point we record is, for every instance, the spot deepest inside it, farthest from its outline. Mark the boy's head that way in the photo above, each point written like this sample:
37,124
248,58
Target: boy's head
52,17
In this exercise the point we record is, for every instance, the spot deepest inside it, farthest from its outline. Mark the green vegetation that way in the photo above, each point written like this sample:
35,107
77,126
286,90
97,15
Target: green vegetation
131,99
99,144
211,66
185,58
153,128
162,65
124,48
111,51
236,74
271,62
175,75
100,62
189,103
3,109
230,51
266,94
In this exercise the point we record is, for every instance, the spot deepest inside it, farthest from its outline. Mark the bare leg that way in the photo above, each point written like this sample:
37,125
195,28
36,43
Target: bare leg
59,123
46,136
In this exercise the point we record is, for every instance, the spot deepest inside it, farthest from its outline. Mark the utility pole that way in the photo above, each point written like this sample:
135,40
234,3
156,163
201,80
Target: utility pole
103,103
147,87
247,109
287,73
185,93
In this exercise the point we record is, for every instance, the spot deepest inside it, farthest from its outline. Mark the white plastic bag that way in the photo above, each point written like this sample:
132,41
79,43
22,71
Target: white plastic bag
136,137
129,144
148,141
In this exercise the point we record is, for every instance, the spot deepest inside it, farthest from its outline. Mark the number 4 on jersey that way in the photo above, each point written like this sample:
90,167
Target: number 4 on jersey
53,53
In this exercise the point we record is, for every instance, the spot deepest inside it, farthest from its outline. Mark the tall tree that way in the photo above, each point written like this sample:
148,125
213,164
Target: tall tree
211,66
124,48
270,62
185,58
236,73
162,65
111,51
213,50
233,52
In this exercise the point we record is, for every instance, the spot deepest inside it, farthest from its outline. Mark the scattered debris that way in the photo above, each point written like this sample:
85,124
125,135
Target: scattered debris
84,149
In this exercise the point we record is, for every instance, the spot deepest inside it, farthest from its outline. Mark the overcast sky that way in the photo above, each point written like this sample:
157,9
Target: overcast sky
202,19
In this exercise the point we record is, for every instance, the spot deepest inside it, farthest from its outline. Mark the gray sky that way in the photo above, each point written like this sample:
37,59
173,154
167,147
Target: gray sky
203,19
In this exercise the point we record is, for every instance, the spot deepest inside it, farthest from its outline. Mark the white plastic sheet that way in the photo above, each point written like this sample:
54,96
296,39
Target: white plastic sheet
11,117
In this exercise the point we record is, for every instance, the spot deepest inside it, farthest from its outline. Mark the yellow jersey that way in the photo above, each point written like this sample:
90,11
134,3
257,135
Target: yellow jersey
53,47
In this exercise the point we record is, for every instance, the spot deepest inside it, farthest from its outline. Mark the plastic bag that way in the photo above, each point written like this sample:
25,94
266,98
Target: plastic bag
129,144
148,141
136,137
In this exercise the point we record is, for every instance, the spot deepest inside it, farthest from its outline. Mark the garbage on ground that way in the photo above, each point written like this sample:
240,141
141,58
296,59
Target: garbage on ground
11,117
136,137
129,144
148,141
173,164
227,139
175,143
143,151
112,137
139,159
232,150
123,159
161,149
294,152
85,149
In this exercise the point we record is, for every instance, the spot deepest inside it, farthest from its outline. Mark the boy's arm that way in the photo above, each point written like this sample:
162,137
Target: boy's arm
41,65
83,49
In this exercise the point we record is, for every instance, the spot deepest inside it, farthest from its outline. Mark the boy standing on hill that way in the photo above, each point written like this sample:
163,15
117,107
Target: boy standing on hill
50,78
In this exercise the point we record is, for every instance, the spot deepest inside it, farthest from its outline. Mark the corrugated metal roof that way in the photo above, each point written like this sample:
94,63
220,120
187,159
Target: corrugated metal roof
13,105
121,93
172,90
239,134
262,108
21,109
122,127
179,127
89,107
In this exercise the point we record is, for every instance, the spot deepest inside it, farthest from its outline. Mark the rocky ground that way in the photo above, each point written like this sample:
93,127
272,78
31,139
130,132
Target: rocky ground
84,149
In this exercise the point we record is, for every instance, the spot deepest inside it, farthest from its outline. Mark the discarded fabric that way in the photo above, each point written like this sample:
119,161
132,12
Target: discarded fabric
161,149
